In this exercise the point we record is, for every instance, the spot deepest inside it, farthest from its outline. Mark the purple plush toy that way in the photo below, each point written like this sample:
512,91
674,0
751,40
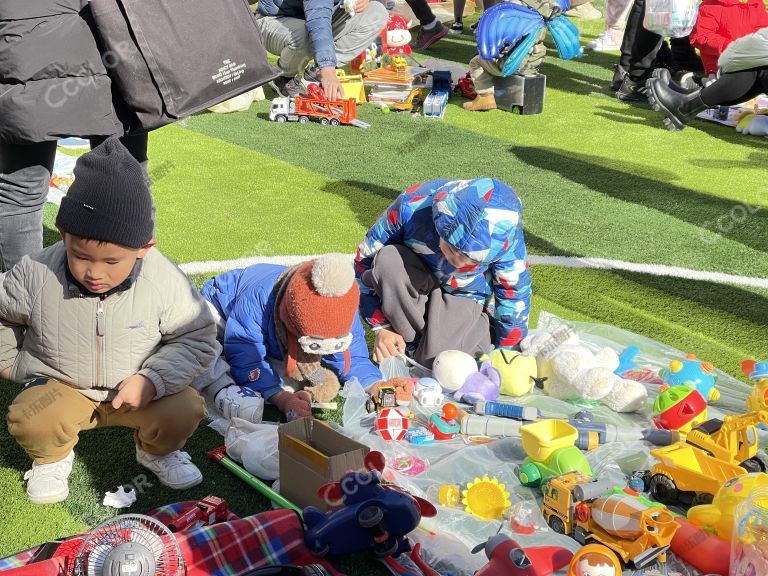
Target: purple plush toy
482,385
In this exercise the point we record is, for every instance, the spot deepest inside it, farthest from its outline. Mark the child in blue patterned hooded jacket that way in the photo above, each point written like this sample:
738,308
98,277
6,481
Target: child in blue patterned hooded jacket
445,268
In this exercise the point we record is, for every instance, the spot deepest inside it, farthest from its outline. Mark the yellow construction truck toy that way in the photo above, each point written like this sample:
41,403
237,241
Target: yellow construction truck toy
692,471
590,510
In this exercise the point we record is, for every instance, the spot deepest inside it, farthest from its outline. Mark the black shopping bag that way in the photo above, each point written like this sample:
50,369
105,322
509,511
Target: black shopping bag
172,58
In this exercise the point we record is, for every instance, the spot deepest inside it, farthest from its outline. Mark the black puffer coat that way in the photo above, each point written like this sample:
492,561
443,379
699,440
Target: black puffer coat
52,80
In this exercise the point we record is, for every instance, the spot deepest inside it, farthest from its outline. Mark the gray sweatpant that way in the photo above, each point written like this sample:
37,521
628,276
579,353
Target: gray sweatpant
417,308
287,37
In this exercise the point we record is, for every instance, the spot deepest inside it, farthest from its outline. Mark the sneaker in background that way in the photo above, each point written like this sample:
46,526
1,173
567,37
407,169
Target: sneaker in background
427,38
631,91
457,28
609,40
287,86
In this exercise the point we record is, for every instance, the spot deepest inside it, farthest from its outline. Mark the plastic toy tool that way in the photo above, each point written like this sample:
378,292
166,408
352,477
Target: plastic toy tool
373,516
507,558
506,410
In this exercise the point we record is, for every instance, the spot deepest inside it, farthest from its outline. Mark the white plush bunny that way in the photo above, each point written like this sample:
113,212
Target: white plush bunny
574,372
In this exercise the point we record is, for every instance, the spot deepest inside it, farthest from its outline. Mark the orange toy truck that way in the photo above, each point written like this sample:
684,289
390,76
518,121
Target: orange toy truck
638,532
314,105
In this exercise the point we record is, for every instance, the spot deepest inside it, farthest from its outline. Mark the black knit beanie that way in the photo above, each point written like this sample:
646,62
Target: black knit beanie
109,199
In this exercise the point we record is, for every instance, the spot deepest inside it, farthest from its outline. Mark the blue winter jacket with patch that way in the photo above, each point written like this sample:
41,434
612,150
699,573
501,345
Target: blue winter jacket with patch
245,299
483,219
318,15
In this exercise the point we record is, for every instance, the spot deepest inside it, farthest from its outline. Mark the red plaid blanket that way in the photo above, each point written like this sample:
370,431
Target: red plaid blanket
229,548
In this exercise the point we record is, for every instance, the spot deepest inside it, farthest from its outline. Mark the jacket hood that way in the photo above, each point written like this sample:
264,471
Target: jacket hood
478,217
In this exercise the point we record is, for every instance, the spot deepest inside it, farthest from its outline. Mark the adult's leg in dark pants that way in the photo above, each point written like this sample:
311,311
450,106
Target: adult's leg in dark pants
135,144
25,173
422,11
639,46
736,87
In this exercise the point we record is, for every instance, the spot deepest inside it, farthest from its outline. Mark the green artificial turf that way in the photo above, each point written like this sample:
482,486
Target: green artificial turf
598,178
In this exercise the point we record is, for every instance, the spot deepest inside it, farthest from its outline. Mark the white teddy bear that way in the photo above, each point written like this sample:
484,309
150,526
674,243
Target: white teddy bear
574,372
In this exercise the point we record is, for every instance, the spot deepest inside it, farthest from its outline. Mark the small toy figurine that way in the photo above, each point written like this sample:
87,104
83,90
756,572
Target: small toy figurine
757,372
507,558
390,393
373,516
396,38
382,397
445,426
692,372
428,392
594,560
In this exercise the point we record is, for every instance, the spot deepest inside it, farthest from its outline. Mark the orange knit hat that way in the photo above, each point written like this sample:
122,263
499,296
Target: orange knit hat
320,300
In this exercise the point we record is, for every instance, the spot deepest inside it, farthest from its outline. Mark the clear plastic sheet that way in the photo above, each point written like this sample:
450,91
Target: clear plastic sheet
459,462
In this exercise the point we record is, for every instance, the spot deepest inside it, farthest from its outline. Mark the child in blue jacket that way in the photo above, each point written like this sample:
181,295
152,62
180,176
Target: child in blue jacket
288,334
444,268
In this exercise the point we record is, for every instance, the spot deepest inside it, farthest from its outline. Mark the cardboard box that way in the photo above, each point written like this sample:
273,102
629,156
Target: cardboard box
313,454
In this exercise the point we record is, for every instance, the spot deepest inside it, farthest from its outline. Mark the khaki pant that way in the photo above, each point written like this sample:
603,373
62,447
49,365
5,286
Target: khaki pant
46,420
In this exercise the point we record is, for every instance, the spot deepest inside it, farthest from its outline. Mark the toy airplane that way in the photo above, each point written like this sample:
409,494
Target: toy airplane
373,516
507,558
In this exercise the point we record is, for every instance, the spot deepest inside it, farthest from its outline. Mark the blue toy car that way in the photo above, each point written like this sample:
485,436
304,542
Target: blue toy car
420,436
374,516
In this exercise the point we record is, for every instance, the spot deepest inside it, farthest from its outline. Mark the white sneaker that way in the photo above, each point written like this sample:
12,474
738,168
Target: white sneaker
609,40
239,402
585,12
49,483
174,470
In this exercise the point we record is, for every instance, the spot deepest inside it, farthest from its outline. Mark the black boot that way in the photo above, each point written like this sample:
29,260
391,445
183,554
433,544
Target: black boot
685,84
678,108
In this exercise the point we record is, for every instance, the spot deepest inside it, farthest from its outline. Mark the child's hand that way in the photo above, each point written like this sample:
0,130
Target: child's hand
293,404
6,373
135,392
387,344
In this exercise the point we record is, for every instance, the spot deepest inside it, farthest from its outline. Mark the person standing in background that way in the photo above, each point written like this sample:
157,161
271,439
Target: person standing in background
53,84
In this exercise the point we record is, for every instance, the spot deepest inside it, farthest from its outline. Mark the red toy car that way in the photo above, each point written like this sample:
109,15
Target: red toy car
466,87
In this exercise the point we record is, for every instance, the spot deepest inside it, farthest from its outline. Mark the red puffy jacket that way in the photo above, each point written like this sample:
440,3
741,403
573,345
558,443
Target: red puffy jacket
720,22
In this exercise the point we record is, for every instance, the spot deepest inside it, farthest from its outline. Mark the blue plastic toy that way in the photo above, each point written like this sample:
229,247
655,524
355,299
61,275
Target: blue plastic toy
511,29
374,516
419,436
694,373
627,360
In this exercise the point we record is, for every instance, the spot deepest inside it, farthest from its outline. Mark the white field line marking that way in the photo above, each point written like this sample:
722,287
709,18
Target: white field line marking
565,261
